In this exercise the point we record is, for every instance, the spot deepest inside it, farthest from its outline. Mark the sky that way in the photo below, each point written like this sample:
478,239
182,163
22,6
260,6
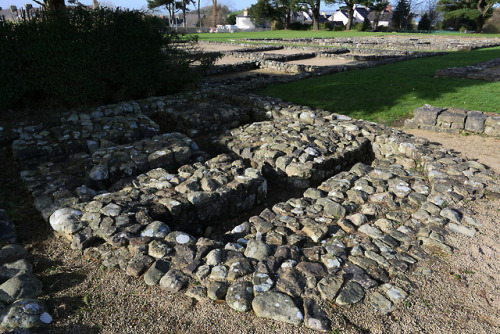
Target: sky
141,4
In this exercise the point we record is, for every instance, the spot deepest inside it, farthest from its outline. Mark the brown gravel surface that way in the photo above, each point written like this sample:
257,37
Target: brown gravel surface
448,294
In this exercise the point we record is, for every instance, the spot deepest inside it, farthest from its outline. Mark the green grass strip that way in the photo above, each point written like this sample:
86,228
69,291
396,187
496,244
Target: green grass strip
228,37
389,93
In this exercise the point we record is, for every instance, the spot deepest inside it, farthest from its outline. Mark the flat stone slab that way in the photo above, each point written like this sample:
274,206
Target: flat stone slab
277,306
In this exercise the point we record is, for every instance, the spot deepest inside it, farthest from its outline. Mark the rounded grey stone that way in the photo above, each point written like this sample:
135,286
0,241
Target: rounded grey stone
239,296
315,318
12,269
257,249
66,220
156,272
173,281
380,303
216,290
277,306
156,229
11,253
21,286
24,314
350,294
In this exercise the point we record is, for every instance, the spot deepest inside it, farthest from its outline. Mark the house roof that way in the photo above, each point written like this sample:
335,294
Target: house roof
362,11
385,16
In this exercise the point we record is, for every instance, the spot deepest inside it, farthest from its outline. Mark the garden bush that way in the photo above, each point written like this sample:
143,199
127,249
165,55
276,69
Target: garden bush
82,57
300,26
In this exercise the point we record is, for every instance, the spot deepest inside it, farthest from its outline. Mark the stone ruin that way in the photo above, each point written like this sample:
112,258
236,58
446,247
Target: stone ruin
158,187
488,71
351,58
376,200
454,120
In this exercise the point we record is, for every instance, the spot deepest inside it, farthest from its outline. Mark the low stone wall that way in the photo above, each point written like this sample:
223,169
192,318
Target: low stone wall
400,43
19,308
336,242
476,71
282,66
232,68
454,120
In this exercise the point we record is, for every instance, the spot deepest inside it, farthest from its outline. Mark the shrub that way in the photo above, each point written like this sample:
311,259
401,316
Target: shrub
81,56
358,27
299,26
277,25
367,26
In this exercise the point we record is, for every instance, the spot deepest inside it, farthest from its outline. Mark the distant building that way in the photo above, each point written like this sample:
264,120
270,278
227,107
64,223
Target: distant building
243,21
360,13
341,16
385,18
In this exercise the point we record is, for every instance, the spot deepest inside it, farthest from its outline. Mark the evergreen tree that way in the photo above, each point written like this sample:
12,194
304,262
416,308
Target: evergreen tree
402,15
468,13
425,22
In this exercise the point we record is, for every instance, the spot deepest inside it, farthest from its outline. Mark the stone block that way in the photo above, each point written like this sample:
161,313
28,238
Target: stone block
492,126
426,115
451,119
475,121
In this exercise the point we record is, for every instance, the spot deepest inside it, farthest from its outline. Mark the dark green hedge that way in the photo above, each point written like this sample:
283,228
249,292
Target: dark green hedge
82,57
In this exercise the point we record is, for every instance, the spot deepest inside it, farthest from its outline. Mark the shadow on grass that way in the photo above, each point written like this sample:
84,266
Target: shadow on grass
391,92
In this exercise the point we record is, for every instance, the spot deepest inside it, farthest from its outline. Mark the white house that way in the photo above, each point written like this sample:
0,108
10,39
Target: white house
243,21
385,18
341,16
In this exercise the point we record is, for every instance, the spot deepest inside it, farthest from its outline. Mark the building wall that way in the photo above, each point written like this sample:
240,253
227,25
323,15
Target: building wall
244,23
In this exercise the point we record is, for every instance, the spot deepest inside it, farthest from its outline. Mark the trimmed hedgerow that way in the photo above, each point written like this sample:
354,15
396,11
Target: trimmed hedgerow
80,57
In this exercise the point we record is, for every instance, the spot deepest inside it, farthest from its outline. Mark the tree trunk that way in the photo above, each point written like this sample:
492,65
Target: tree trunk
376,20
199,15
170,16
315,12
184,13
480,23
350,17
288,18
481,19
214,13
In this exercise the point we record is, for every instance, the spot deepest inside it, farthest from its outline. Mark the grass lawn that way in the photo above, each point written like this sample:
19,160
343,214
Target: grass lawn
227,37
390,93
